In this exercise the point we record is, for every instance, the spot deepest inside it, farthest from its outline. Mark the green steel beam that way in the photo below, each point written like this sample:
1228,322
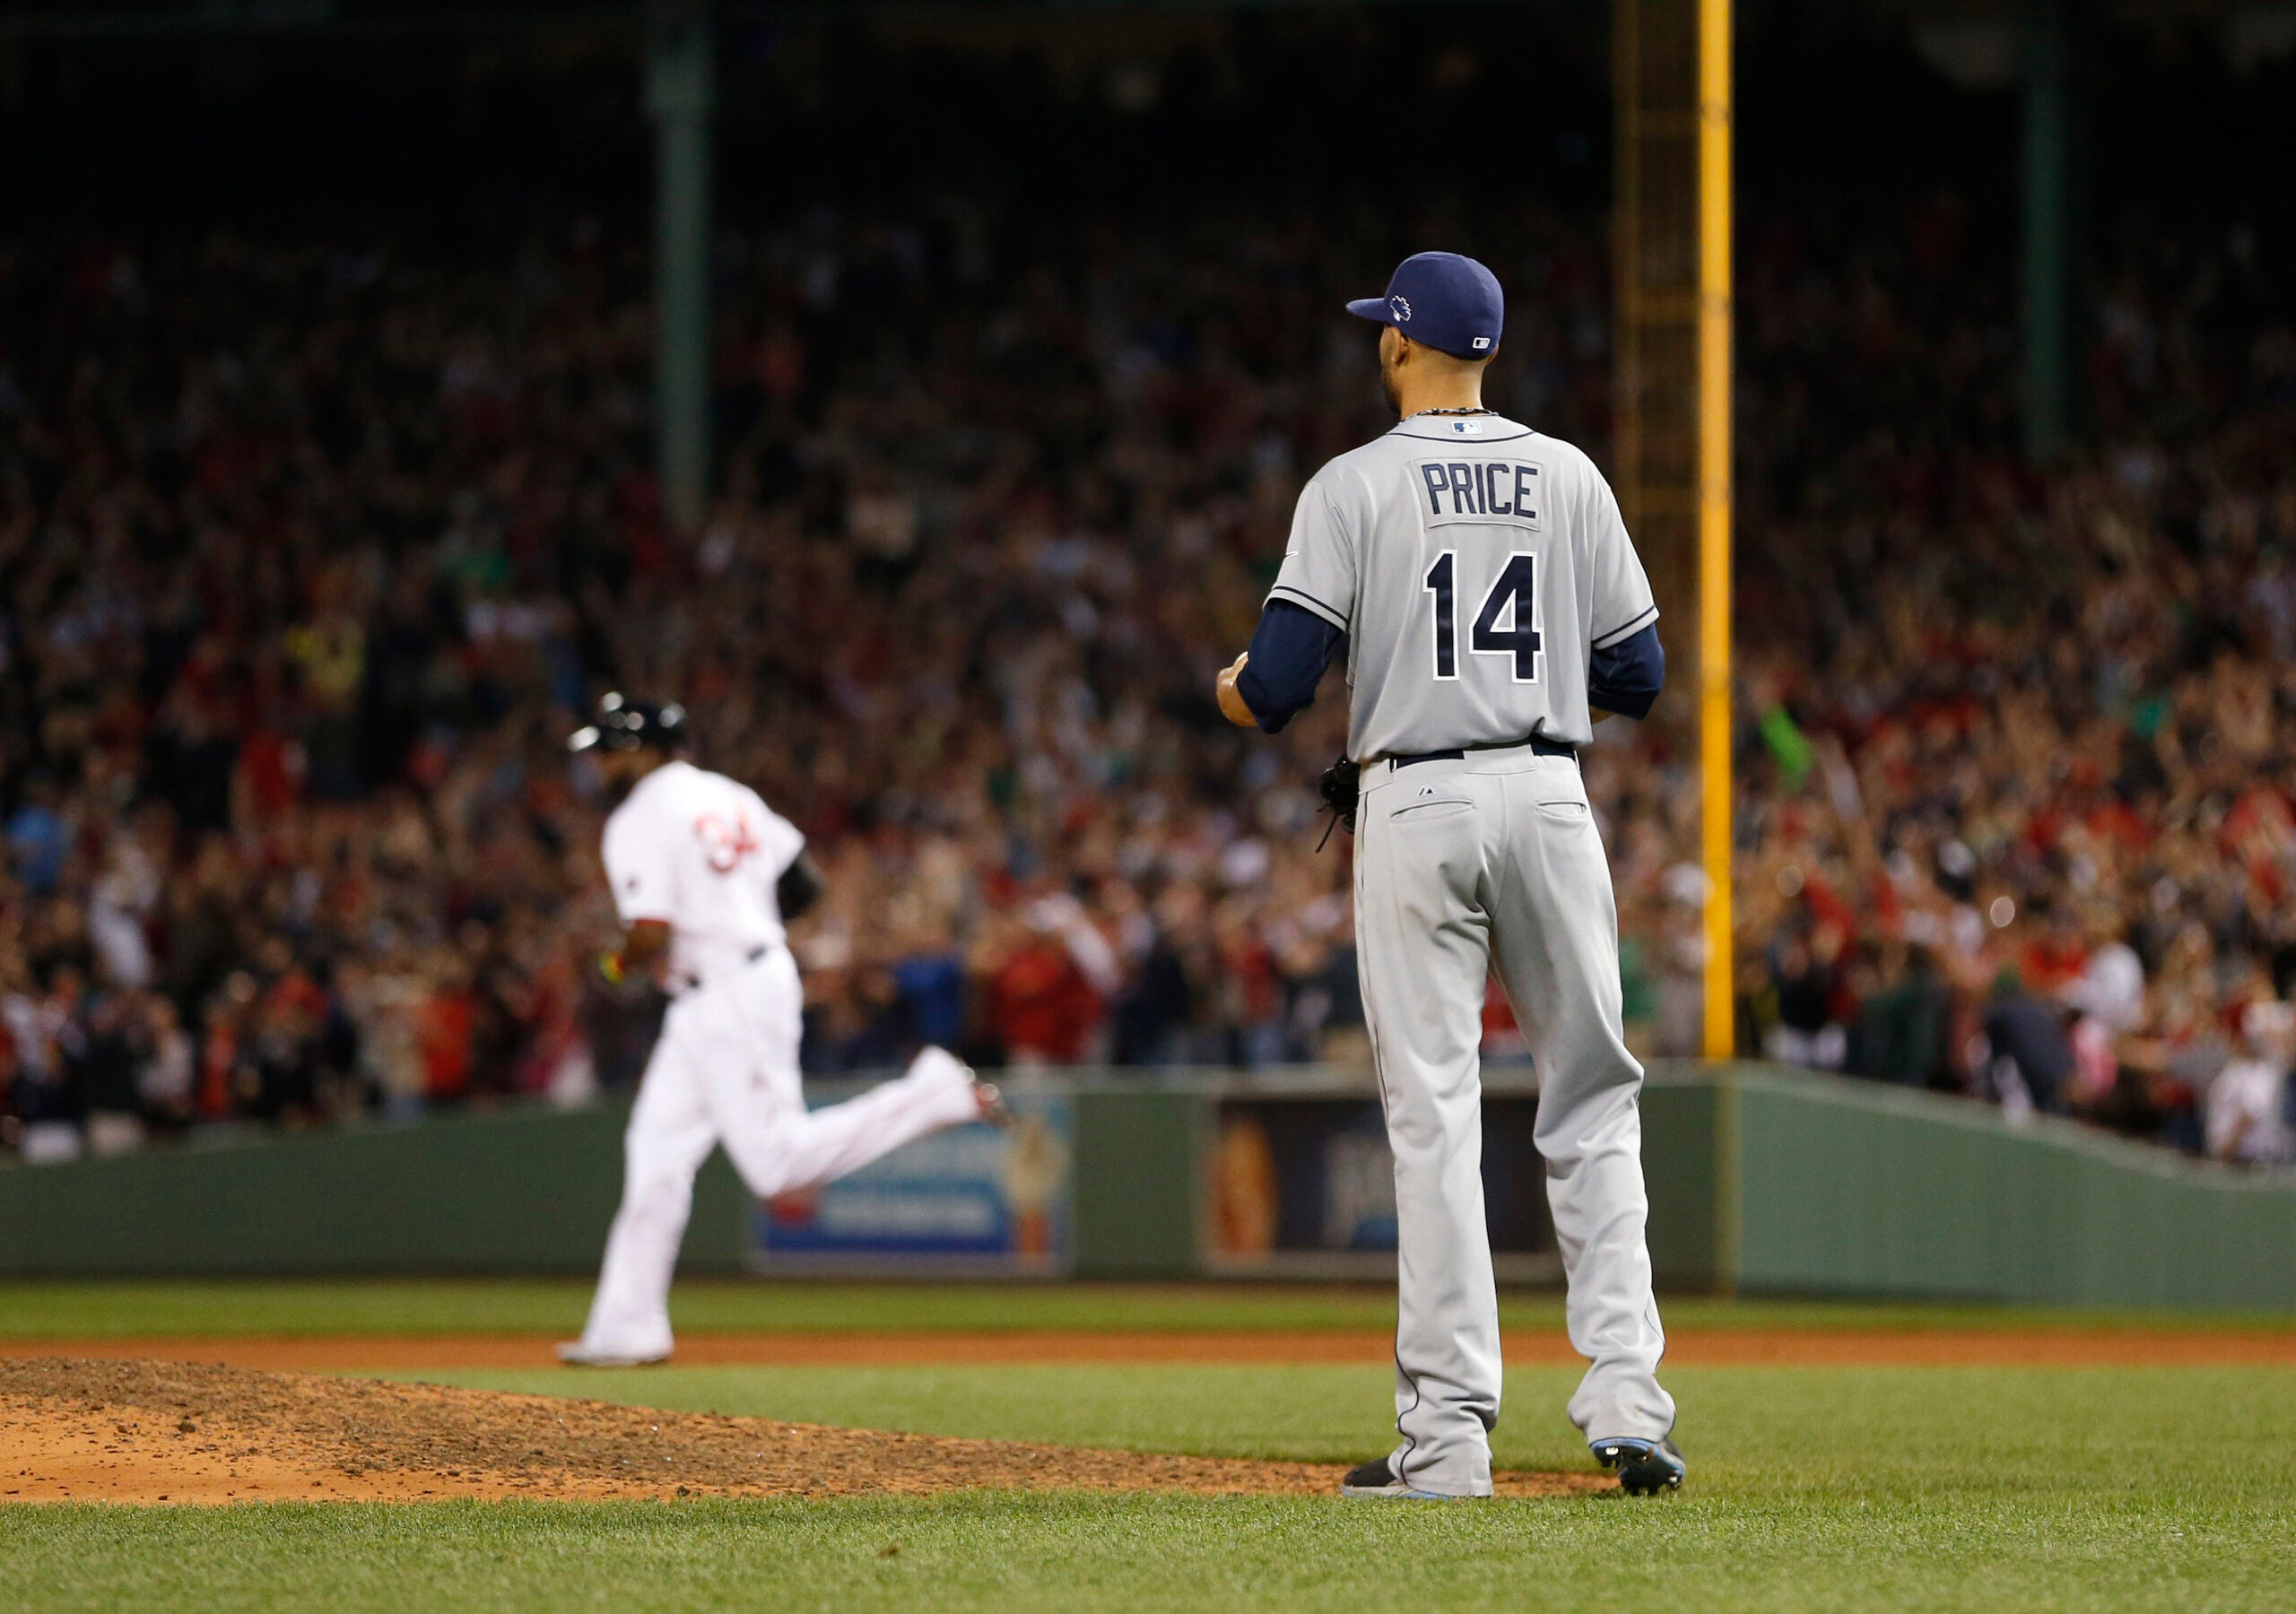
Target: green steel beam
681,85
2047,205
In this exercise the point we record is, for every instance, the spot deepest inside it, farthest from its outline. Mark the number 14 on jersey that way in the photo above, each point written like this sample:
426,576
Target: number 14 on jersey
1506,625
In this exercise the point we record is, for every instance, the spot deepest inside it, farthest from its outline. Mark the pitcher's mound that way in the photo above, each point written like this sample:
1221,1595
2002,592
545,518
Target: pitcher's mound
138,1431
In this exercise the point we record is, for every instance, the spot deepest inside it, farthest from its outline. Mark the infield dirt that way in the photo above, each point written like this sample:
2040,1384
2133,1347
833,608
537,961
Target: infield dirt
101,1420
176,1432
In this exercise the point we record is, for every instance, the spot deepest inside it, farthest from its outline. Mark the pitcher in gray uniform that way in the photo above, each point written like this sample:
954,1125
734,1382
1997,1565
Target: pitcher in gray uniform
1493,610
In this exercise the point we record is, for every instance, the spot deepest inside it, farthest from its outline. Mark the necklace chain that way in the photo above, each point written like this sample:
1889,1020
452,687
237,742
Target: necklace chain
1477,410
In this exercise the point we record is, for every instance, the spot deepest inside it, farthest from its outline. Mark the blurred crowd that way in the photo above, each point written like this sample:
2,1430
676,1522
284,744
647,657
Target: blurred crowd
311,553
2018,749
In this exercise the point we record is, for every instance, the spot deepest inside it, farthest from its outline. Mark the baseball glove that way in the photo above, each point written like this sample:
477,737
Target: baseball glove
1340,786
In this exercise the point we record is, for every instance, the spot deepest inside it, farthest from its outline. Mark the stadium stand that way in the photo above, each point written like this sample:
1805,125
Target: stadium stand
311,543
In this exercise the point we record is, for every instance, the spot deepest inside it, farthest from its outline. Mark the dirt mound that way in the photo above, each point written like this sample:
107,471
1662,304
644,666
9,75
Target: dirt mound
144,1431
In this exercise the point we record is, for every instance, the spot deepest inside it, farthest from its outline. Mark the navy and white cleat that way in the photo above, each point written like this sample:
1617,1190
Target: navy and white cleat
1376,1478
1644,1467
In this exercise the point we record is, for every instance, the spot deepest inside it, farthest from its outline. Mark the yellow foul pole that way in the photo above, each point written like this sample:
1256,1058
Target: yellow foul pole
1714,509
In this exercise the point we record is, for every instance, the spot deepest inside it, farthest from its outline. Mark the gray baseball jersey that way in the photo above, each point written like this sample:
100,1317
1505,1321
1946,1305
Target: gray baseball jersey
1475,565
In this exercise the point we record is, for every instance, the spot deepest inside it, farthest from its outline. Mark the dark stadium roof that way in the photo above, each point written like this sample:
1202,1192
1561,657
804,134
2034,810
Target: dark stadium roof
128,17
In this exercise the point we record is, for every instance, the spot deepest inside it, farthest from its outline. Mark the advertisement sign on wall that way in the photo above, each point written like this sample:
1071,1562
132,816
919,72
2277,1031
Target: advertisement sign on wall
1306,1186
974,1199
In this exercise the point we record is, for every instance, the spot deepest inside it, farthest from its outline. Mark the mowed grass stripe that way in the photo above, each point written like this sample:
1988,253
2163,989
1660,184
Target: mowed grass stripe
79,1309
1012,1554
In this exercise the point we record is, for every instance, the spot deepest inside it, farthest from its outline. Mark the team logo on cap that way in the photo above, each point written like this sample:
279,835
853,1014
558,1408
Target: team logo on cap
1400,307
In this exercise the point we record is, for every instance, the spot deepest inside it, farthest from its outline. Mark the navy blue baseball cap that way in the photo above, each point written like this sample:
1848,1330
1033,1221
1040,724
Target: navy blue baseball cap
1448,302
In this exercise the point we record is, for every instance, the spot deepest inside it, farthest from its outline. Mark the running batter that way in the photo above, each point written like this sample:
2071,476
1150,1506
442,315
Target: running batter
1493,609
704,874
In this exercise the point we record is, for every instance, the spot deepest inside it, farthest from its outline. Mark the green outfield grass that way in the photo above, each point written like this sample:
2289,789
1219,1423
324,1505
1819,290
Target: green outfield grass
1813,1489
129,1309
1783,1429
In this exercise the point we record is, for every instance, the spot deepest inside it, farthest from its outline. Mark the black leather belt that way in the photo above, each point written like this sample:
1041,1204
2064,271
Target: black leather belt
692,983
1543,748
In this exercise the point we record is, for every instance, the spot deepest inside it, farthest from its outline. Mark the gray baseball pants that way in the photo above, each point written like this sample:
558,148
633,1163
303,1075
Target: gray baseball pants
1459,865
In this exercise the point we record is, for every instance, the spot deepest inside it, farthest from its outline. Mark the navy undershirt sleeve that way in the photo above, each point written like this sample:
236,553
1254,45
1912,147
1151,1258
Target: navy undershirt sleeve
1289,653
1626,677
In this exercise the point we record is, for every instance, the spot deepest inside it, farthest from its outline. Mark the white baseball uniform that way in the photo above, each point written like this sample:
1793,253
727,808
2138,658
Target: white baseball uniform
1475,566
702,853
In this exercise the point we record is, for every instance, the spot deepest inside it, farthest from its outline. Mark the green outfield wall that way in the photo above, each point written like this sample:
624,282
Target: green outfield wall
1760,1181
524,1191
1844,1187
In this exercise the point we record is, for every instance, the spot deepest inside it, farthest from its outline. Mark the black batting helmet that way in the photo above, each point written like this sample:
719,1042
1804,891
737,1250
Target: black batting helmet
629,725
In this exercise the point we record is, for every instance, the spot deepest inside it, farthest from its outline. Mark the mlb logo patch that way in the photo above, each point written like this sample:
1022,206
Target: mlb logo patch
1480,343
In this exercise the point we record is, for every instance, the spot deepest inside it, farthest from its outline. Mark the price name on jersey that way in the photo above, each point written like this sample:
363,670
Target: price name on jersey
1479,490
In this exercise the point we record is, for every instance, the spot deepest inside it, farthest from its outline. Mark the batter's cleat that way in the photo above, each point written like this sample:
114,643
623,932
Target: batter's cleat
994,1110
988,1105
575,1354
1644,1467
1376,1478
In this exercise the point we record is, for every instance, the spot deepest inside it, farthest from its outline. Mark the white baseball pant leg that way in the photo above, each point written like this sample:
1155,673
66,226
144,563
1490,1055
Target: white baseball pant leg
1458,862
724,1071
